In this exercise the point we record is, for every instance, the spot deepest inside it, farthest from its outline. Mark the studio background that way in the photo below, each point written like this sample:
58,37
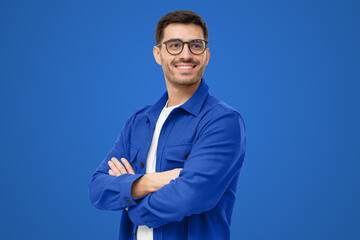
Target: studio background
72,72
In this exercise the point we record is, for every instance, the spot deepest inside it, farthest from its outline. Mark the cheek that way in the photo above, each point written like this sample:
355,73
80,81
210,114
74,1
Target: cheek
202,60
167,62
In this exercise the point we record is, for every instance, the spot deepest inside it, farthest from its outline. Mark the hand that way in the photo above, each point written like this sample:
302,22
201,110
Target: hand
117,169
146,184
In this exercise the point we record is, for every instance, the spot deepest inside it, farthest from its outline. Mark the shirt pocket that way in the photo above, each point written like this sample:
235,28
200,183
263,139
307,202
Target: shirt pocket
176,155
133,152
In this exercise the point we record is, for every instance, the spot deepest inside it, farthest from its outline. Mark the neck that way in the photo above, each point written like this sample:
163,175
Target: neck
179,94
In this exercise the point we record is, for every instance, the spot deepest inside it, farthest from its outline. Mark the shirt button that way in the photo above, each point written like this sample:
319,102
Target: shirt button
186,156
141,164
128,200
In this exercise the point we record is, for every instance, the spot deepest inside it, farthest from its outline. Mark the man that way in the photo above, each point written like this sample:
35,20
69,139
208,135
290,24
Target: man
174,168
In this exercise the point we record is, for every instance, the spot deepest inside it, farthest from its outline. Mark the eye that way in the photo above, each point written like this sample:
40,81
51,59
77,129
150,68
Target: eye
175,44
197,44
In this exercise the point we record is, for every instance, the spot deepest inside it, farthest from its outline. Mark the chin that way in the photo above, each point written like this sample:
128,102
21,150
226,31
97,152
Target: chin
184,81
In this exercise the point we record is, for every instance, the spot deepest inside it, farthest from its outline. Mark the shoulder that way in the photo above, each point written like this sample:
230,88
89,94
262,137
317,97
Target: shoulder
138,115
216,109
141,112
221,122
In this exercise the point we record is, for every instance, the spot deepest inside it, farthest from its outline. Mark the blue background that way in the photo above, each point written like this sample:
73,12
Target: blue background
72,72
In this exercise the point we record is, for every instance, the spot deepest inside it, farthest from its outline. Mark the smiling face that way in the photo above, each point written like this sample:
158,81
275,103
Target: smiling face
185,68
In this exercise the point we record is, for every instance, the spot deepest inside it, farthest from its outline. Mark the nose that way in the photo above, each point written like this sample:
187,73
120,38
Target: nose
185,54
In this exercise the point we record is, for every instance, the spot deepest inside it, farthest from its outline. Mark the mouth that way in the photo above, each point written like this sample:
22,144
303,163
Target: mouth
185,67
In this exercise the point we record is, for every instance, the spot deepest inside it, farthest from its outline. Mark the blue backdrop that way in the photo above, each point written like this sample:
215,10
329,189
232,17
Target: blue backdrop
72,72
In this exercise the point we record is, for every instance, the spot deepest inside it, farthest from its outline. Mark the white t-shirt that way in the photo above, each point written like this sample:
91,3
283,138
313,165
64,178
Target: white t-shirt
143,232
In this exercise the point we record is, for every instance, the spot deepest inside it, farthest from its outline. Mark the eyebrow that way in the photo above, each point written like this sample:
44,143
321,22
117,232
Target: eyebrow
183,40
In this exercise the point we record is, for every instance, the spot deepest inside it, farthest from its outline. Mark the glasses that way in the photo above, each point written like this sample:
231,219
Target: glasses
175,46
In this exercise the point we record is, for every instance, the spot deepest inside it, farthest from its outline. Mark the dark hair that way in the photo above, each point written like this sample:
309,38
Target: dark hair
179,16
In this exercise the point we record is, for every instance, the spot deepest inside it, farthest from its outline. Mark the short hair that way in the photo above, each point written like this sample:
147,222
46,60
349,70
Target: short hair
179,16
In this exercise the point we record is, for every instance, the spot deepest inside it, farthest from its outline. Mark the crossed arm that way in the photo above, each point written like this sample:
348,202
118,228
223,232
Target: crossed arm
215,160
116,186
146,184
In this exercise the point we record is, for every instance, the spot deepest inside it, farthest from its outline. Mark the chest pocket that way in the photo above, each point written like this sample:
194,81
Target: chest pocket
132,158
176,155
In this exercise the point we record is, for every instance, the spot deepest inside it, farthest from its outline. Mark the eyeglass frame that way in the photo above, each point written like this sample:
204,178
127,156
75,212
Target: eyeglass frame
183,44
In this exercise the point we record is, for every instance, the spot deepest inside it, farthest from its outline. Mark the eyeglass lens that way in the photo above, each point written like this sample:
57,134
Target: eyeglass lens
196,46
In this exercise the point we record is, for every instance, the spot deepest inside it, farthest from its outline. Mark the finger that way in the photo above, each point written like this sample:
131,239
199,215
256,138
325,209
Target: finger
119,166
128,166
111,172
114,169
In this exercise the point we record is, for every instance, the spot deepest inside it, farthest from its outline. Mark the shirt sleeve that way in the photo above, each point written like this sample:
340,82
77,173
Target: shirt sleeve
215,158
109,192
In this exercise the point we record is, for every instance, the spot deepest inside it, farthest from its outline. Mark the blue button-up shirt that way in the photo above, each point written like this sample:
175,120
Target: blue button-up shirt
206,138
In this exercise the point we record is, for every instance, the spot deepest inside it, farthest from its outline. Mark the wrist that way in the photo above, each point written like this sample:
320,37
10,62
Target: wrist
142,186
149,182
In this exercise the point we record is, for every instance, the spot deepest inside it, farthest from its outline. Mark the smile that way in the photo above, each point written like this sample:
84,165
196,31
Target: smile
185,67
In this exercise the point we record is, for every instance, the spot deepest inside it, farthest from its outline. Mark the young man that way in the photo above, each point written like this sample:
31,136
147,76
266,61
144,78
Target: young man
174,168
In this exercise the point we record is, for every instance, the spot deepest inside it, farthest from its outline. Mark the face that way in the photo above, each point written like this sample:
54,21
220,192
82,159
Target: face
185,68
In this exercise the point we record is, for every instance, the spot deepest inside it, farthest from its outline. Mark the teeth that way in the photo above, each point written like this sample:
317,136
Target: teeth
185,67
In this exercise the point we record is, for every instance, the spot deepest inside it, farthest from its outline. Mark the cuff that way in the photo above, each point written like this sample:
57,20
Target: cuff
123,184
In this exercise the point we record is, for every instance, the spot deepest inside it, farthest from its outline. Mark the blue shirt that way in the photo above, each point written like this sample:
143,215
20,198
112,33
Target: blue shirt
206,138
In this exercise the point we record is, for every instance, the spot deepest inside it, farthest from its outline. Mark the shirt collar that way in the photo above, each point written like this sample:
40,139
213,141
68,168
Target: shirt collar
192,106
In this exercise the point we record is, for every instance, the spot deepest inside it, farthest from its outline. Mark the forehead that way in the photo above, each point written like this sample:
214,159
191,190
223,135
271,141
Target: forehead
183,31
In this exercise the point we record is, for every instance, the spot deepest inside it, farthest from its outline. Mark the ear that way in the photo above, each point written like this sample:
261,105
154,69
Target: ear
207,56
156,52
